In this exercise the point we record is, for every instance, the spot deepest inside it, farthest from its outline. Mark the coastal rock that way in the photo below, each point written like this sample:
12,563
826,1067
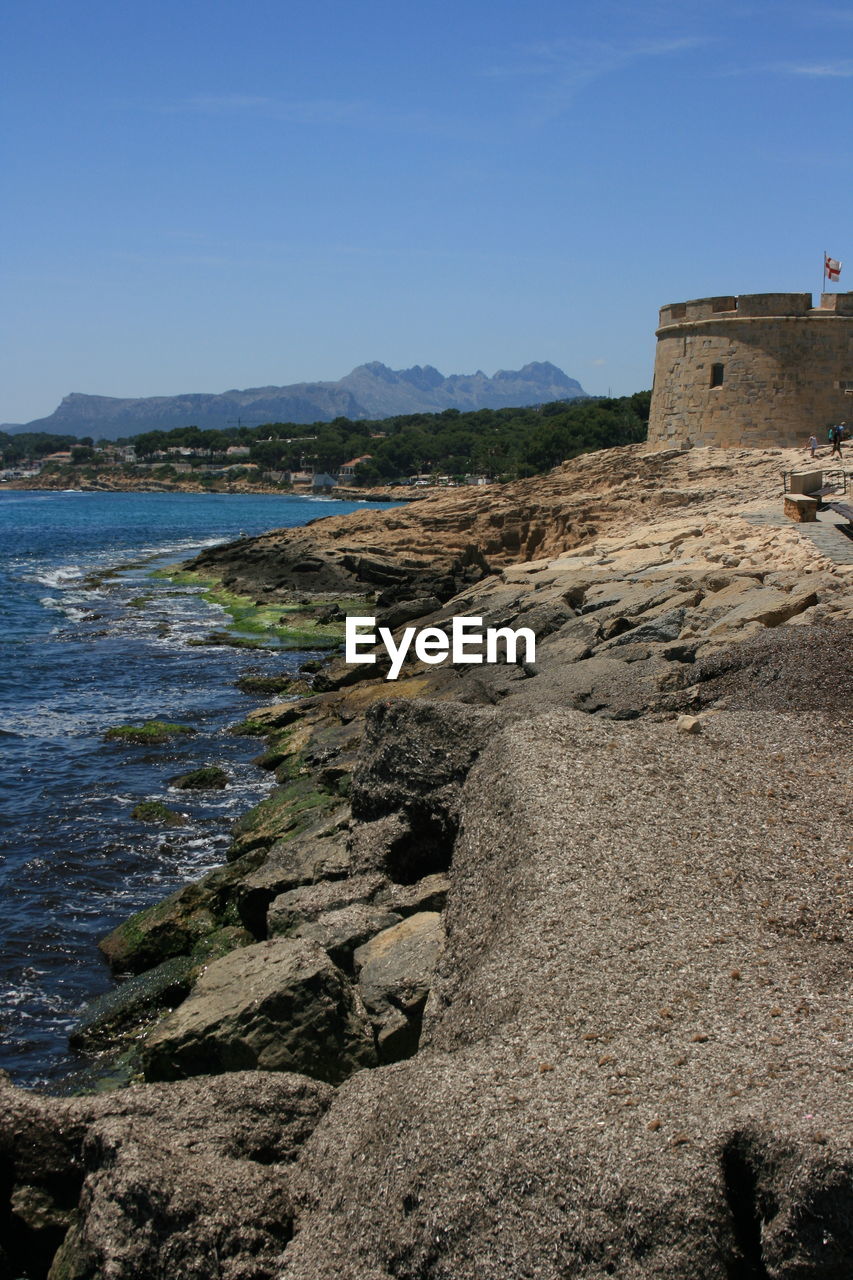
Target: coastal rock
340,932
660,630
414,761
429,894
154,1180
207,778
41,1173
291,809
318,854
394,977
632,1061
778,669
153,733
120,1011
181,924
407,611
297,906
156,812
275,1006
766,605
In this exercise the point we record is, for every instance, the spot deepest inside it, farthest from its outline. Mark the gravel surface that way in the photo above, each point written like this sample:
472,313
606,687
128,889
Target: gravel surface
805,668
635,1061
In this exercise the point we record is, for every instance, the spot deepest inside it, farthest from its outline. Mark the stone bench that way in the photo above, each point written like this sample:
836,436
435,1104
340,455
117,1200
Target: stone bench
799,507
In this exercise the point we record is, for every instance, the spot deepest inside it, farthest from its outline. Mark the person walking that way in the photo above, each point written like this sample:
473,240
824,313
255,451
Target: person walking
836,435
812,445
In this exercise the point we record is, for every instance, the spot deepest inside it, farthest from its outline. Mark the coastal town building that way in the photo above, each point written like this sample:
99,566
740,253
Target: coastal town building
758,370
346,472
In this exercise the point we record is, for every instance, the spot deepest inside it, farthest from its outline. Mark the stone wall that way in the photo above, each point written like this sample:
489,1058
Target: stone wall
758,370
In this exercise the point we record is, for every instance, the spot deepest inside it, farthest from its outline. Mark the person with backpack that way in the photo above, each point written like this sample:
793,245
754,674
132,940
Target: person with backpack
836,435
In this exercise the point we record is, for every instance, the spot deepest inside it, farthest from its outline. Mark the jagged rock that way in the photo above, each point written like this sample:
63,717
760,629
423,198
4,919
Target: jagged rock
624,598
414,760
766,605
288,910
371,845
297,806
41,1172
429,894
318,854
573,642
275,1006
178,925
340,932
394,977
171,1181
661,630
544,617
407,611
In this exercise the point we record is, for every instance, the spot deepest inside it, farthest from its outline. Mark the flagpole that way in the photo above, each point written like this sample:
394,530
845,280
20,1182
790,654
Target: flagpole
823,284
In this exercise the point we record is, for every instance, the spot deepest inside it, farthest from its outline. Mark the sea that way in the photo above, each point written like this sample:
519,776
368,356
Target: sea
89,639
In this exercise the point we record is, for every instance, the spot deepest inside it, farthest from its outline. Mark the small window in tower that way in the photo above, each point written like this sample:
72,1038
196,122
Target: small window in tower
716,375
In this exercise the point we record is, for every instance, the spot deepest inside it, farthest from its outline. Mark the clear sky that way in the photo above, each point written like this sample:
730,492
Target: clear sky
205,194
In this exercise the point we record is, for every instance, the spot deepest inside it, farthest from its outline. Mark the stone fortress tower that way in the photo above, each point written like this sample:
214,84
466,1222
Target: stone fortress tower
762,369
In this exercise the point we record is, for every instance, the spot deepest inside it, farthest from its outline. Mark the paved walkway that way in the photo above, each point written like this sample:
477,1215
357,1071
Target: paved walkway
828,532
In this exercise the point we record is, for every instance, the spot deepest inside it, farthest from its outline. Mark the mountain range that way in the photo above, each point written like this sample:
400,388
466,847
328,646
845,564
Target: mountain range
370,391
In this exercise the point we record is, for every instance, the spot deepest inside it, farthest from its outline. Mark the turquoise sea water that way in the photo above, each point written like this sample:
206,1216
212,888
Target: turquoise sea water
75,660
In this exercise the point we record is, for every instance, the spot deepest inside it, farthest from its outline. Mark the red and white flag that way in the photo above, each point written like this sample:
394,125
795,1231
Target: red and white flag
832,268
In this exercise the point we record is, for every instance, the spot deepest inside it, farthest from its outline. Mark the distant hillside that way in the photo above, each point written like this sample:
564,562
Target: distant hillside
370,391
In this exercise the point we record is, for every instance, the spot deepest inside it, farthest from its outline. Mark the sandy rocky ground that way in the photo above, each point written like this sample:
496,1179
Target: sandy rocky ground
533,971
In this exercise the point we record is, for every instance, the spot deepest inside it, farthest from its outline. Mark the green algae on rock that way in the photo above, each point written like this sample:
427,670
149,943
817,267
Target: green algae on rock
288,811
152,733
207,778
308,623
272,685
185,923
156,811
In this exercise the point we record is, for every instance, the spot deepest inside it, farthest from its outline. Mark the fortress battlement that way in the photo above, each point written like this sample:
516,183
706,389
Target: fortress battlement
754,370
753,305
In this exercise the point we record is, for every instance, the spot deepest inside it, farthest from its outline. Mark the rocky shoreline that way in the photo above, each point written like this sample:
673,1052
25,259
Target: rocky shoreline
522,970
116,481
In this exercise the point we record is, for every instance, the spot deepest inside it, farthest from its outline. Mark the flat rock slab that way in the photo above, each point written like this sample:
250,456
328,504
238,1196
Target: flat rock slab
767,605
275,1006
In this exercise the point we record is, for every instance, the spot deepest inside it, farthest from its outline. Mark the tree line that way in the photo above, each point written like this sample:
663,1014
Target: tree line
500,443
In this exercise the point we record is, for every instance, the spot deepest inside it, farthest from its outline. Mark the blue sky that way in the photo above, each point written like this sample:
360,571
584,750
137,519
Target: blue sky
200,196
